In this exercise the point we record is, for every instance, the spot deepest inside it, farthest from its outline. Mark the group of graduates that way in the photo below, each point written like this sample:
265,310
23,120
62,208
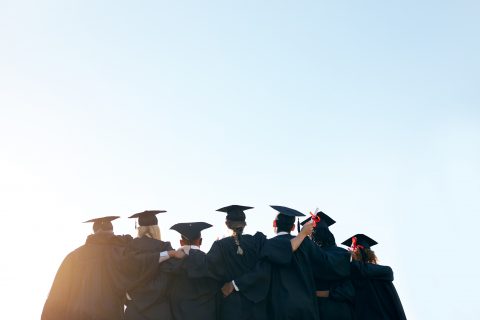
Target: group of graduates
303,277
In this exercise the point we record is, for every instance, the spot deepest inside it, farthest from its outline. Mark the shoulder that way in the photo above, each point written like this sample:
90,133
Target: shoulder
149,244
259,236
372,271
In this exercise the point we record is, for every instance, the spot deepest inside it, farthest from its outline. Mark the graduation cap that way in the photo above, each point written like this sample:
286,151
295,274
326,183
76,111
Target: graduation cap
288,211
359,240
103,223
323,218
235,212
147,218
190,230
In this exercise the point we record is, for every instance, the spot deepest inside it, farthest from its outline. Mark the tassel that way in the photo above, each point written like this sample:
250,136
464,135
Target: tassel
298,225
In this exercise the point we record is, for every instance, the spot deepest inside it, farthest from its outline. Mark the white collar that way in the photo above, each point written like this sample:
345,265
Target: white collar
195,247
281,233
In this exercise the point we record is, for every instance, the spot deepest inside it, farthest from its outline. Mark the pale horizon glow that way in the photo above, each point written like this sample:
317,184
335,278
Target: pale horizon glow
367,110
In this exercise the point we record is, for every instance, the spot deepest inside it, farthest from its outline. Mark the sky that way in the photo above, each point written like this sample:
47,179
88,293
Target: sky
367,110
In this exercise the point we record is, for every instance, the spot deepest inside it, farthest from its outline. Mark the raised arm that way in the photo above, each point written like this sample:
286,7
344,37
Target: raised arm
305,232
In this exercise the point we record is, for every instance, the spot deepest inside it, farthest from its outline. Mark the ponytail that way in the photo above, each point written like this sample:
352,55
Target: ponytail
237,233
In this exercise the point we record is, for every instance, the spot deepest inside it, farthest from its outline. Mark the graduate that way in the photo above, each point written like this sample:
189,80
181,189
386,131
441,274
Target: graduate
376,297
149,300
229,258
92,280
193,298
292,291
334,298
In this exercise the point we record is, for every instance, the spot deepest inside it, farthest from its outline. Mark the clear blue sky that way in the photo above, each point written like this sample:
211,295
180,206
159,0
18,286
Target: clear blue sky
366,109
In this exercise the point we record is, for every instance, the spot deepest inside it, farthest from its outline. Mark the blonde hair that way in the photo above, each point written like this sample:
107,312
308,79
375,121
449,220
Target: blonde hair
149,231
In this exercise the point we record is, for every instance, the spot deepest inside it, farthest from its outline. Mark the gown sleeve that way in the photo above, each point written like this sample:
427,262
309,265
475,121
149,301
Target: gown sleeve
278,250
210,265
343,291
330,266
255,284
58,299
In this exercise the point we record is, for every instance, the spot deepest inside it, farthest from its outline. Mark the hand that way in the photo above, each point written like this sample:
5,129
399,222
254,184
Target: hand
179,254
227,289
323,294
307,229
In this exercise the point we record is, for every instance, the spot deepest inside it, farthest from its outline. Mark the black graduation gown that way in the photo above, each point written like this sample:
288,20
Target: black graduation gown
193,298
292,291
223,264
150,300
92,280
339,304
376,297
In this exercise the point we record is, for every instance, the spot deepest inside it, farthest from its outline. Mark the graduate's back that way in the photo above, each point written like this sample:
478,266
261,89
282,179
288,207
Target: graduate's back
149,299
341,293
92,280
223,263
376,297
292,293
233,263
193,298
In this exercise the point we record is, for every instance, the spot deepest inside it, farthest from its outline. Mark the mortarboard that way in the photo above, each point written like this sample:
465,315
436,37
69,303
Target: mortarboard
323,218
191,230
147,218
104,223
102,219
288,211
360,240
235,212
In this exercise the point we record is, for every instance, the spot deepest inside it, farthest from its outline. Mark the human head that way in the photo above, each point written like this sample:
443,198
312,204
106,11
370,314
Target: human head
322,235
191,232
103,224
284,223
365,255
148,224
106,227
235,219
285,219
360,245
186,242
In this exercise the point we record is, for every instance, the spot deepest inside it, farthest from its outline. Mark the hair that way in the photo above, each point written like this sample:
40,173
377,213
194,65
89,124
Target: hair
190,242
237,228
322,236
149,231
285,223
99,226
365,255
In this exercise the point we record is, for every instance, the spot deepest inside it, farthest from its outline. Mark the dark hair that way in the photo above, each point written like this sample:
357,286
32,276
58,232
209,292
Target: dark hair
365,255
285,223
189,242
322,236
102,225
237,228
